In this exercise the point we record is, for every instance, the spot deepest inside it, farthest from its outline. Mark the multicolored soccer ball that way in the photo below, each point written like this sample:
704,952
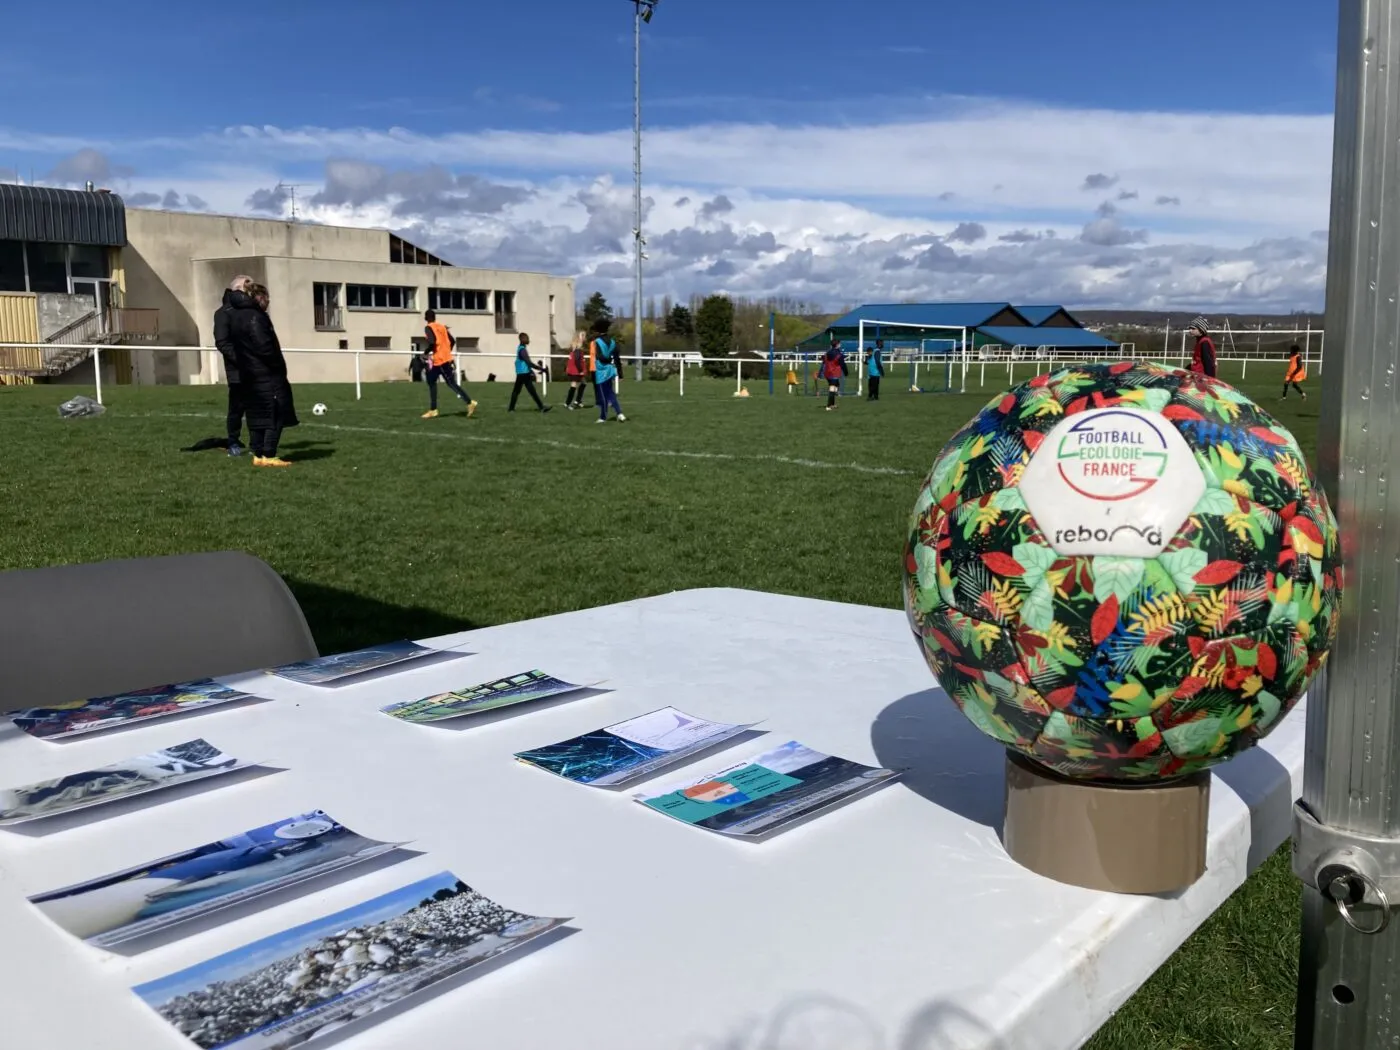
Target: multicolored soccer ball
1125,572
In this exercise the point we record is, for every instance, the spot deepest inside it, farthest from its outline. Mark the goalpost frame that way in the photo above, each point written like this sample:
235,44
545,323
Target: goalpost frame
963,344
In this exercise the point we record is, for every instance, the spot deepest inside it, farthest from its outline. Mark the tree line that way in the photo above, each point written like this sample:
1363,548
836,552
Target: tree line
714,326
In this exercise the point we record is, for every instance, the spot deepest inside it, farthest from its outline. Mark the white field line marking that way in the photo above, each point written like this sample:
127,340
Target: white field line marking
791,461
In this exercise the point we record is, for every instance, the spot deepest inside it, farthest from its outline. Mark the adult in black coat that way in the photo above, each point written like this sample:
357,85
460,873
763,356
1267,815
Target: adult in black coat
223,339
267,396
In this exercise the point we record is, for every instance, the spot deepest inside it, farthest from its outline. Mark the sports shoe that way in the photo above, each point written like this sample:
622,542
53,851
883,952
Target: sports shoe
621,418
270,461
235,449
600,421
471,409
432,413
547,408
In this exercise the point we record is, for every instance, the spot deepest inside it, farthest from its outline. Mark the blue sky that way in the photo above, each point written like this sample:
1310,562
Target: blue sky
847,150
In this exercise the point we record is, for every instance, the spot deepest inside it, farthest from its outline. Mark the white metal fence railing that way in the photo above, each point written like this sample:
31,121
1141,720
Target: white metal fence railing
30,358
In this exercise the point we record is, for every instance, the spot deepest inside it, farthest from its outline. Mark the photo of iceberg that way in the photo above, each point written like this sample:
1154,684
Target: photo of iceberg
172,767
89,716
126,905
632,749
768,792
504,692
289,989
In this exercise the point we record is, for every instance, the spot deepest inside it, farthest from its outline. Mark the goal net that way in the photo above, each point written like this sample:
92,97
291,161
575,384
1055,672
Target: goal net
921,359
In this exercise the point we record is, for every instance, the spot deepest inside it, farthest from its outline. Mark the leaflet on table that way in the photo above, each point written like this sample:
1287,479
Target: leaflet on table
329,670
172,767
767,792
55,723
517,689
630,750
297,986
129,904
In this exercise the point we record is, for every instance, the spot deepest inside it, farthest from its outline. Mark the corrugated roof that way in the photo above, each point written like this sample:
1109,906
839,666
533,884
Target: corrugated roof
53,216
948,315
1061,338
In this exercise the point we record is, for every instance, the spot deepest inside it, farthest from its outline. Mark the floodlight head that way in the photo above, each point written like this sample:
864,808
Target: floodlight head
647,9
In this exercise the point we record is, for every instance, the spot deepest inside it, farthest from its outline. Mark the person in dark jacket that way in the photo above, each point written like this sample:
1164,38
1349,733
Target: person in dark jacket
224,341
1203,356
262,370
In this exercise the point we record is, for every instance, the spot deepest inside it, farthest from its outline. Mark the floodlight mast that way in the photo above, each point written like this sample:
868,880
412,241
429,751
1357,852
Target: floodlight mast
644,9
1346,828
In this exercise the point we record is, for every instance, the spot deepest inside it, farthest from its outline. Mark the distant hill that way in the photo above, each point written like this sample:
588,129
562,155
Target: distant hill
1178,319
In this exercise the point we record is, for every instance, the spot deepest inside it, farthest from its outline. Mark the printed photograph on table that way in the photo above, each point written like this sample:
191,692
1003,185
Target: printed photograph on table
90,716
767,792
142,775
517,689
630,750
295,987
127,905
332,670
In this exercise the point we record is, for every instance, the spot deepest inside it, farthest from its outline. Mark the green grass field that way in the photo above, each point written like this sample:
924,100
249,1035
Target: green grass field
391,526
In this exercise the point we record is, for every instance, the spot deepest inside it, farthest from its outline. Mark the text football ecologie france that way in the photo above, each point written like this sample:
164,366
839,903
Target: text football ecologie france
1118,482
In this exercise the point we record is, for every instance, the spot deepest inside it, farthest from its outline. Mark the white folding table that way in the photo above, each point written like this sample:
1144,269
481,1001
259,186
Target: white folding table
896,922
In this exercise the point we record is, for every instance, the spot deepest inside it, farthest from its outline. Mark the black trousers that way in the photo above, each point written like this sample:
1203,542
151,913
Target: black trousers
264,442
1290,383
449,378
524,382
874,394
235,414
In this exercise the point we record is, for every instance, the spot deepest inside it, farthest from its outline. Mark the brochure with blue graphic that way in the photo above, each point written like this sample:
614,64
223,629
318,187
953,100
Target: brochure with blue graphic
126,905
768,792
628,751
340,668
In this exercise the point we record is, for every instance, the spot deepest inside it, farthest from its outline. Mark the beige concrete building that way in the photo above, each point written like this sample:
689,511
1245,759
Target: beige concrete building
79,268
332,287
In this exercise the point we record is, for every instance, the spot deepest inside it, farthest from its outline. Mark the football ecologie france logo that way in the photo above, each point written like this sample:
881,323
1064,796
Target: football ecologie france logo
1112,456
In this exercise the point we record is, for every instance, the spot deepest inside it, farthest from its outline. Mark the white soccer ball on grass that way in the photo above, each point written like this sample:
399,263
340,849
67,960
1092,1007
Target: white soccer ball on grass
319,409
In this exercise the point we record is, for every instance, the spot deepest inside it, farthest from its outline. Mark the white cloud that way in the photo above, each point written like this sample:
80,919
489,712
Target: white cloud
979,199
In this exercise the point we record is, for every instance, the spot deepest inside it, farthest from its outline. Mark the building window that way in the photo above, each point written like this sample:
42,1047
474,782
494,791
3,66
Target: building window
12,267
458,300
505,311
327,306
48,267
88,260
468,344
380,297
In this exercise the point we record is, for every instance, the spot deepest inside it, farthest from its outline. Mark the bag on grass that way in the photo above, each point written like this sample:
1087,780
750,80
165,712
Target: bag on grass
80,406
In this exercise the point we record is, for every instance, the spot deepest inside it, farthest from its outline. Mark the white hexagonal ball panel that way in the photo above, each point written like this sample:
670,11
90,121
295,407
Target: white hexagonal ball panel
1112,481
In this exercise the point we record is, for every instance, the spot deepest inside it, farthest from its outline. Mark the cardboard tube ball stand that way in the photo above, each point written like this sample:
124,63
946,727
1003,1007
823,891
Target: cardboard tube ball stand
1125,574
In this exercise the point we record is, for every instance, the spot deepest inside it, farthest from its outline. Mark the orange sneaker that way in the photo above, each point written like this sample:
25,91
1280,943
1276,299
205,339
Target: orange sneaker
270,461
471,409
432,413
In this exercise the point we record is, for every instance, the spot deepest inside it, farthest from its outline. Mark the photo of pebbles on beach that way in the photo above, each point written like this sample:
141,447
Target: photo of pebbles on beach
294,987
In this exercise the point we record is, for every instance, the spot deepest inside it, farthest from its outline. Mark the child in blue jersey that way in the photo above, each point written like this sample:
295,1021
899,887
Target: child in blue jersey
875,370
603,361
525,370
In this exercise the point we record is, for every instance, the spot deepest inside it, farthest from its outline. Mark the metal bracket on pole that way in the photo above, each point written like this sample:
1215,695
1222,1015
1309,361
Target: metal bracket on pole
1357,873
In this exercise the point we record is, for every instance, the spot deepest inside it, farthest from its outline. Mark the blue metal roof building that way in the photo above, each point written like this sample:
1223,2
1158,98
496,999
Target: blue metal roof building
986,323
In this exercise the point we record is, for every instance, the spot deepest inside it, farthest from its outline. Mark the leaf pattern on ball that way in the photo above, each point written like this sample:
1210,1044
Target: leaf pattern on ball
1124,668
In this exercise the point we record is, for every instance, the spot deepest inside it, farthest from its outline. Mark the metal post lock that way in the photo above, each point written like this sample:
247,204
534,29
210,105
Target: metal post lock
1351,871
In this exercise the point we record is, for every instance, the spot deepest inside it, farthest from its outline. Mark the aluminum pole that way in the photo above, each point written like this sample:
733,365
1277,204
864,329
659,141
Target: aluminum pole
1346,835
637,181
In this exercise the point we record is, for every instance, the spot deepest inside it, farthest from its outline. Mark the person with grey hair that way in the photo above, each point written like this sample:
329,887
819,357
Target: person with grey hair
223,340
